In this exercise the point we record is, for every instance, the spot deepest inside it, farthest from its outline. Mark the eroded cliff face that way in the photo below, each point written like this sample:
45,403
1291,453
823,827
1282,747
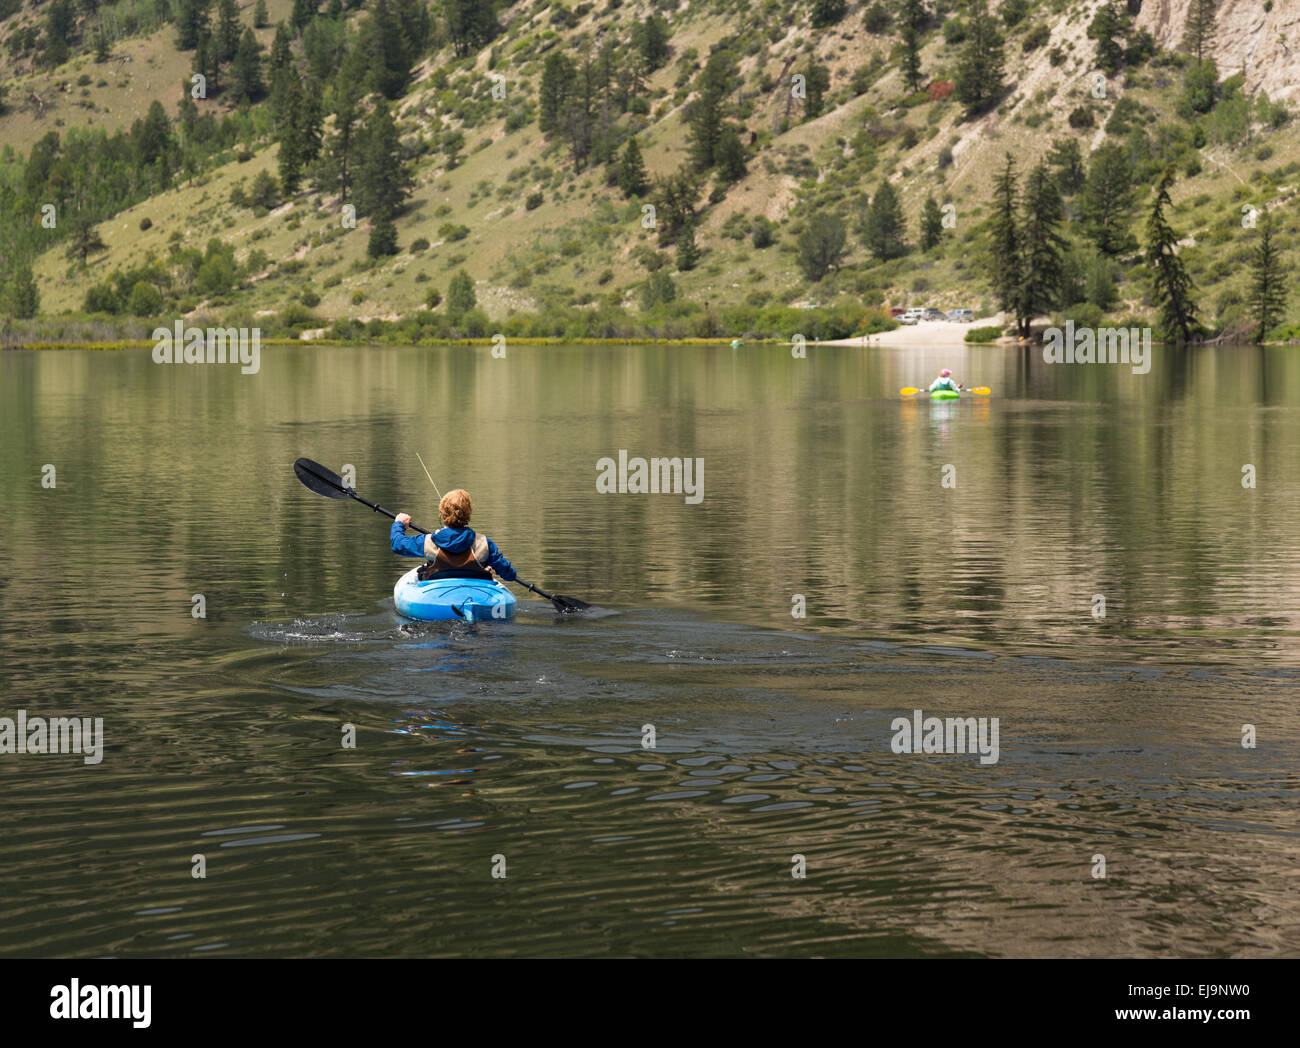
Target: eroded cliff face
1263,44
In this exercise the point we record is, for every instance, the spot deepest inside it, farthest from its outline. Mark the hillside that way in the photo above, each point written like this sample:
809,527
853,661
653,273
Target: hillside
551,243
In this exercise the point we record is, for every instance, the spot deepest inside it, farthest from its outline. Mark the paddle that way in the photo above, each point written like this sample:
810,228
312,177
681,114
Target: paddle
911,391
328,483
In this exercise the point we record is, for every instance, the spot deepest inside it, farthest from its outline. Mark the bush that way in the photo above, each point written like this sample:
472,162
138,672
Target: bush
452,232
1081,117
875,19
533,201
147,223
309,298
763,233
984,334
419,244
146,300
433,299
1036,38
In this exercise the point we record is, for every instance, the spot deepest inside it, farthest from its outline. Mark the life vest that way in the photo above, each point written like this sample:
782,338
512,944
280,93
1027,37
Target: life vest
472,564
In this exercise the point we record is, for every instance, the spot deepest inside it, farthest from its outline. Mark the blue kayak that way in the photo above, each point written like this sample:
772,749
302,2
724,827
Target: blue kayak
474,600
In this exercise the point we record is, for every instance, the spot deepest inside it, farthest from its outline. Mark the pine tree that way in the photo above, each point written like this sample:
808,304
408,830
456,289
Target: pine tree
227,34
260,18
706,114
292,155
731,155
246,71
915,15
1108,198
1066,157
303,12
1111,28
383,176
884,228
24,296
820,245
1198,36
931,224
979,81
631,171
383,238
650,39
102,50
336,172
191,23
911,59
310,117
1268,292
1004,241
85,239
688,254
470,24
817,81
1172,285
827,12
558,75
1042,247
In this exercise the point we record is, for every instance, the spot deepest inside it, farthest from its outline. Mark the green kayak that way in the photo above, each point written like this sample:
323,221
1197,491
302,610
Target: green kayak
945,394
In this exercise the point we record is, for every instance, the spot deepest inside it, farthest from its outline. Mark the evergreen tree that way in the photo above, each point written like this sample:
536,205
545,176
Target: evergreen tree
1110,27
650,39
820,245
460,296
1042,246
102,50
1198,36
827,12
383,176
631,171
383,238
24,297
310,118
706,114
1004,240
246,72
191,23
817,81
931,224
1108,198
884,229
688,254
85,239
153,135
558,75
674,199
228,30
1268,291
911,60
915,15
731,155
303,12
336,172
1172,285
470,24
260,18
1067,160
979,81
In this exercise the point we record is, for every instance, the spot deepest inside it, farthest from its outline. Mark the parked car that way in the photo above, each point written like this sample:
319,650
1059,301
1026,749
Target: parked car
960,316
912,315
934,314
896,311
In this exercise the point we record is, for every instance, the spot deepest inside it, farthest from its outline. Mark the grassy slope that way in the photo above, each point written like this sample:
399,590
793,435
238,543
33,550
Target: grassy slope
584,230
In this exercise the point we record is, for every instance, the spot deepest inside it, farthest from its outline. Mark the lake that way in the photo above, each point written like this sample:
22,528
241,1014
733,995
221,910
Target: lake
1106,562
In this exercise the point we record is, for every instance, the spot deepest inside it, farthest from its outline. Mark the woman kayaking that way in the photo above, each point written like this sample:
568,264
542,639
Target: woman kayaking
455,551
944,381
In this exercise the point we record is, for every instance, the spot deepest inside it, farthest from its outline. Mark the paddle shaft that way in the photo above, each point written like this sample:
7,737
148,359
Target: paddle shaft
380,509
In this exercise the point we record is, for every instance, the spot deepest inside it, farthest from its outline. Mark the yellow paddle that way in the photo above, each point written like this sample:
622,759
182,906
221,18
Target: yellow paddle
911,391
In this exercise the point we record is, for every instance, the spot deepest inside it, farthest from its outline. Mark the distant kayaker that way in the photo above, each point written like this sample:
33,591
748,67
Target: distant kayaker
455,551
944,381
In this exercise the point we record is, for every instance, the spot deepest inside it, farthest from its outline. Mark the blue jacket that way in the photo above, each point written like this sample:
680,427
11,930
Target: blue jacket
453,540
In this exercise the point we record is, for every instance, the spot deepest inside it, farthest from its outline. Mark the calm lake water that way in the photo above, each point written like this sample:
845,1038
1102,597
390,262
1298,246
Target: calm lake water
1120,736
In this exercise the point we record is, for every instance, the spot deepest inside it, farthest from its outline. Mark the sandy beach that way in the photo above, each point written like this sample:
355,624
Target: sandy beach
923,333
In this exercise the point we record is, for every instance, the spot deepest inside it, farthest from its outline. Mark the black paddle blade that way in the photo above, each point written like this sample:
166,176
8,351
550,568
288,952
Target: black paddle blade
569,603
321,480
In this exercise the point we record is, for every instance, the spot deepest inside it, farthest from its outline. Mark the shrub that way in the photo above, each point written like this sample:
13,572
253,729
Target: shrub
533,201
1081,117
984,334
146,300
147,223
419,244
